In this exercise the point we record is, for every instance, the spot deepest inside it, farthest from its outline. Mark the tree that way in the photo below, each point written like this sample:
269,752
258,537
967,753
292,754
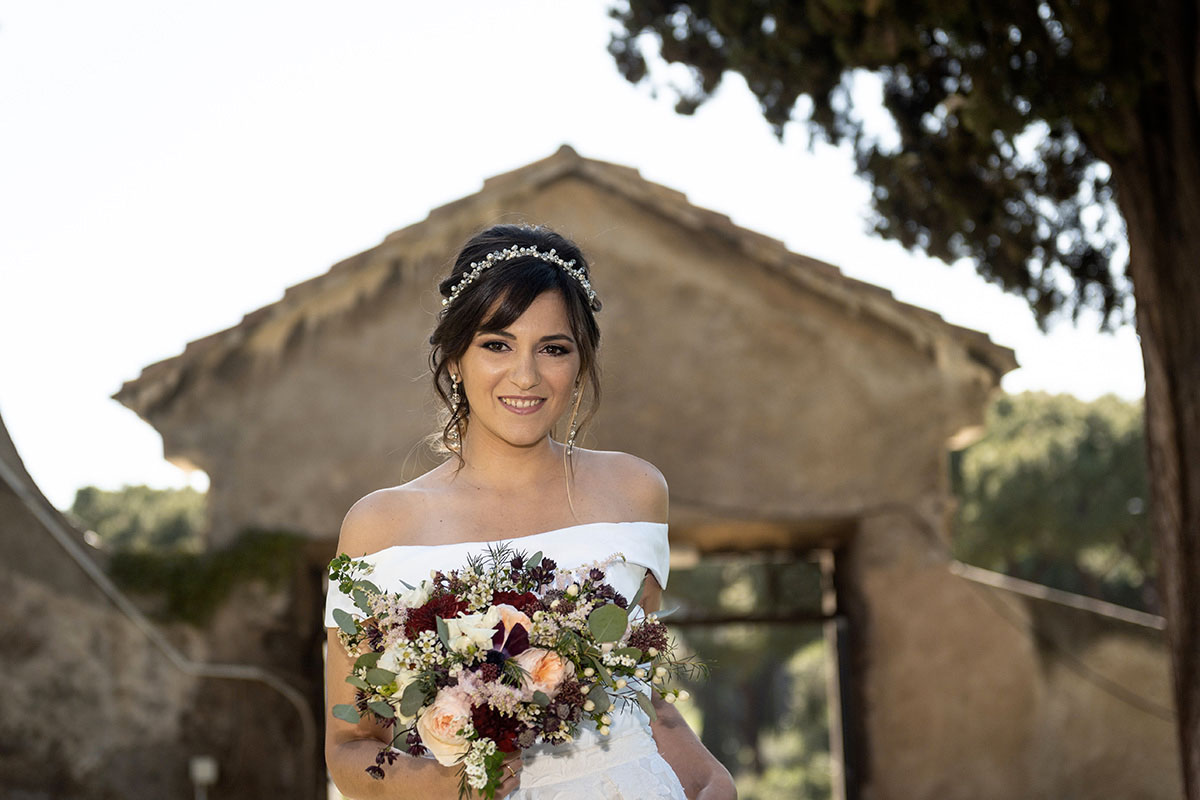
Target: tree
138,518
1020,128
1088,533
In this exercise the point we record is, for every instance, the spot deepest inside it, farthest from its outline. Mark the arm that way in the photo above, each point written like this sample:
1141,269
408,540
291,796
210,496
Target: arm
702,775
350,749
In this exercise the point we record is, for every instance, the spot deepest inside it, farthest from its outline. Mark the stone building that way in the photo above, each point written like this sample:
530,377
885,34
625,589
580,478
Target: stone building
790,408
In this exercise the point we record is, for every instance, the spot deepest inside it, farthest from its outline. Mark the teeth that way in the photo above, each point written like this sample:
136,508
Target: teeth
519,403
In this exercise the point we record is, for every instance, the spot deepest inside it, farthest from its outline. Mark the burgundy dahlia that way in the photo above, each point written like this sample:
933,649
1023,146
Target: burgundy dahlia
494,725
424,618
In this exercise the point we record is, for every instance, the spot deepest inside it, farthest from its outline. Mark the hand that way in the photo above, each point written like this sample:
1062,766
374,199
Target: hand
512,777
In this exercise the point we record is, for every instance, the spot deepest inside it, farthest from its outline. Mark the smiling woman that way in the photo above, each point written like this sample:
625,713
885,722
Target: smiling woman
514,351
519,308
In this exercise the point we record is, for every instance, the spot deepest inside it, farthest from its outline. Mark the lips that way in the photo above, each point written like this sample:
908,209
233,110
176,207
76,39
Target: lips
523,405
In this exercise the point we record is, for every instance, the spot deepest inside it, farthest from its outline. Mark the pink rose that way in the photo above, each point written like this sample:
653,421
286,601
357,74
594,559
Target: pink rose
547,670
441,722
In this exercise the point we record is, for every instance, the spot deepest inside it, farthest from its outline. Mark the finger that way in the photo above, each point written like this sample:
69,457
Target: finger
509,785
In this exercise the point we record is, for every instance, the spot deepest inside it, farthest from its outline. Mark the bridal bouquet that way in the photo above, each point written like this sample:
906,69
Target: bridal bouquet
479,663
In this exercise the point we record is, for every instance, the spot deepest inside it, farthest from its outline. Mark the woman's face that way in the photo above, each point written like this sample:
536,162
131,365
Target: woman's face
518,381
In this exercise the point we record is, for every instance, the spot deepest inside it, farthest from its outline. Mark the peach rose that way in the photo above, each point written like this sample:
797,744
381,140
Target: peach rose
439,726
511,617
547,670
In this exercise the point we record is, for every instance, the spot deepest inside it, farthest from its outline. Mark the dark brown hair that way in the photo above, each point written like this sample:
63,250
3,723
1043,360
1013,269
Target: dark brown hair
511,286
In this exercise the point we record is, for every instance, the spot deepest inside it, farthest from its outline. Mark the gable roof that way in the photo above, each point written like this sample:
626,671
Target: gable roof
357,278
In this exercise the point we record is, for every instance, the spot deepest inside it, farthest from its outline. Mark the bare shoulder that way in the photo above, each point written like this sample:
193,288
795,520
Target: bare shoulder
383,518
635,482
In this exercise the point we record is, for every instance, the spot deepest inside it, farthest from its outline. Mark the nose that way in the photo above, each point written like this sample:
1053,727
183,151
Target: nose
525,373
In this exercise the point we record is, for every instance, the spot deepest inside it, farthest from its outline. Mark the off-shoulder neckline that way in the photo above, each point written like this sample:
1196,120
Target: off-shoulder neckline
527,537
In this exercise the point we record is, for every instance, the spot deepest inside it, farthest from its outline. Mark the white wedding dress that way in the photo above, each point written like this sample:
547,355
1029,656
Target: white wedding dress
625,764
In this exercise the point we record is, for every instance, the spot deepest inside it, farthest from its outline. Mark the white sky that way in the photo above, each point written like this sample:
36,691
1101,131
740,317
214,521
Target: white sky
166,167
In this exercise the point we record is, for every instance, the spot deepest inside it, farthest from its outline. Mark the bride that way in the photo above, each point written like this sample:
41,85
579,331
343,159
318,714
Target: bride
515,348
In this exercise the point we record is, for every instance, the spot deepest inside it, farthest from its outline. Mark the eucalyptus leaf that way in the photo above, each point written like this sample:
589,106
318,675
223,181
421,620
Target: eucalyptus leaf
381,708
541,698
600,697
354,680
602,671
535,559
637,596
608,622
666,613
360,600
346,712
377,676
443,632
412,699
344,621
367,660
407,585
646,705
632,652
370,587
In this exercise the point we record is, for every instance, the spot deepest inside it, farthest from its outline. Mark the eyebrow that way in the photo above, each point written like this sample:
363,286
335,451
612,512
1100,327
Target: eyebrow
552,337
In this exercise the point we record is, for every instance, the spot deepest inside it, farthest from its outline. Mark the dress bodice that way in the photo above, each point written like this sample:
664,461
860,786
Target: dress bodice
642,544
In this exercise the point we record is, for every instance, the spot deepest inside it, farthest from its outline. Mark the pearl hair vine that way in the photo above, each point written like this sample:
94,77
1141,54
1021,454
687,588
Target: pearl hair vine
516,251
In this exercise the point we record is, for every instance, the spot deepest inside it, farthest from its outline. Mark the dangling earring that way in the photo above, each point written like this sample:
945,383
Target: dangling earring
572,431
455,401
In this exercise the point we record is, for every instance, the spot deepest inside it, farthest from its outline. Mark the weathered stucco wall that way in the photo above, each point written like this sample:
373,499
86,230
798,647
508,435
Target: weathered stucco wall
88,710
971,691
92,710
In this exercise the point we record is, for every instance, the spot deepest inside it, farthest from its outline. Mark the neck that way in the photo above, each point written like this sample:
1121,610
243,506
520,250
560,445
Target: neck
493,464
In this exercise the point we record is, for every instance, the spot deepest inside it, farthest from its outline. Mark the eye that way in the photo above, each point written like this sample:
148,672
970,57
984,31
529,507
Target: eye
488,345
558,350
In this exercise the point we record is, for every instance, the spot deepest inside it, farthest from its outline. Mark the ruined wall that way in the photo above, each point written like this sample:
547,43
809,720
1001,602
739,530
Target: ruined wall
91,710
965,690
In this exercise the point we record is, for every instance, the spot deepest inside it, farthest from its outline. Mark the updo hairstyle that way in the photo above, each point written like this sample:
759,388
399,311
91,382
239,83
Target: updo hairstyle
511,286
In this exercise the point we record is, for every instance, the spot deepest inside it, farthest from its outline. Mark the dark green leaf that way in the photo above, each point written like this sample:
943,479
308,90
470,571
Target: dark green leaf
541,699
354,680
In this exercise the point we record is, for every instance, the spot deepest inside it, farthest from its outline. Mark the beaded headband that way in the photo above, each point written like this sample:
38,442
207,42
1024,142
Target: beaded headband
515,251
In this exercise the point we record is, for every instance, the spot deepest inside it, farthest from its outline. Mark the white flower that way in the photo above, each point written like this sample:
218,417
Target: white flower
472,629
415,598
